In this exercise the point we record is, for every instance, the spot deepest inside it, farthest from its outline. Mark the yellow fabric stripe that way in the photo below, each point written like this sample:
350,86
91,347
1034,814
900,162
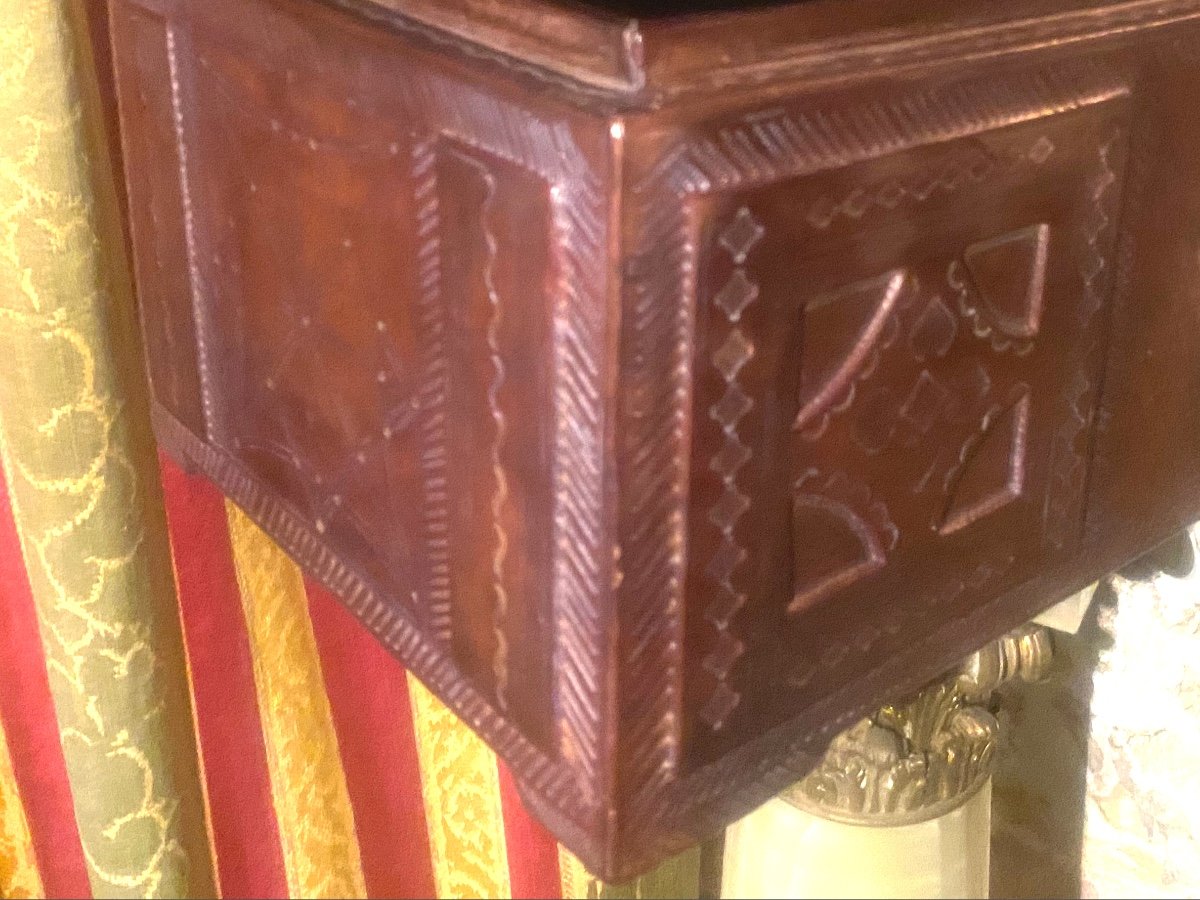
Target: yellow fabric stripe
678,877
308,784
577,882
461,787
19,876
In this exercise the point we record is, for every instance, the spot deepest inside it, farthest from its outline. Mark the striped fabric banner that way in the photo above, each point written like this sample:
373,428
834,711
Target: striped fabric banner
418,804
368,696
316,824
328,770
245,829
459,775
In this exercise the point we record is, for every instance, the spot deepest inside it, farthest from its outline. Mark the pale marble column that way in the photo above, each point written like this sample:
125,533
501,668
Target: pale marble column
900,805
1142,826
818,857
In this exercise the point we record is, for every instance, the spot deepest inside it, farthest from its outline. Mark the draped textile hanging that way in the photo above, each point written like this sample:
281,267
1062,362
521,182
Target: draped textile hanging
77,459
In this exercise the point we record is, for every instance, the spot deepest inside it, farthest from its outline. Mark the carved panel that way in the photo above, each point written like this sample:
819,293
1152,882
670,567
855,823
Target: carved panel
885,347
840,534
663,433
393,274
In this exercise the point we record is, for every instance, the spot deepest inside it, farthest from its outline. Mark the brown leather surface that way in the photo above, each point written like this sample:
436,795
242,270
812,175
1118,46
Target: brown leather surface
663,437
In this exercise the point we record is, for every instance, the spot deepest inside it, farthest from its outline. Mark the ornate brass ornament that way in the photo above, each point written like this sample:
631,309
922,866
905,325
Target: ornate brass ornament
923,758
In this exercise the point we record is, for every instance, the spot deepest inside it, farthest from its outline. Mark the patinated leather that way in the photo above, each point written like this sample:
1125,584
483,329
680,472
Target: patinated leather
665,395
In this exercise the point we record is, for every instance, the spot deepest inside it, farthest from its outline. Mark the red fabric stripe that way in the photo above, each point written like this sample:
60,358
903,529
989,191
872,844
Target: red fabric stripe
245,827
27,711
368,694
532,850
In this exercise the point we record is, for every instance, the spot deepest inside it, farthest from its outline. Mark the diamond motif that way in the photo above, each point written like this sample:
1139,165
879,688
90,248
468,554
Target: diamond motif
733,354
731,507
722,610
729,359
741,235
722,702
732,457
730,408
739,293
723,657
725,560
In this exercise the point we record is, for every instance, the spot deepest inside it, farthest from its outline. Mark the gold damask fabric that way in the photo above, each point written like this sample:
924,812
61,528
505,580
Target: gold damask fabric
316,823
79,462
462,801
18,868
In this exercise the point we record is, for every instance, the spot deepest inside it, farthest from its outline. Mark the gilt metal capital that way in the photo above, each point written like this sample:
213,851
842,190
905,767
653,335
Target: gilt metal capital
925,757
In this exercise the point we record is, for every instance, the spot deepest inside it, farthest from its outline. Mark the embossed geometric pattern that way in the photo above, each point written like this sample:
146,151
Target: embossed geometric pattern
720,704
971,169
891,388
740,236
842,534
925,405
726,605
845,331
737,294
733,354
731,458
728,510
1001,291
991,471
723,563
727,651
733,405
713,409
